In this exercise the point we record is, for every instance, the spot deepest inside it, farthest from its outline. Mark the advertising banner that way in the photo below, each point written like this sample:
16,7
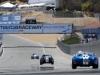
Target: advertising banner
21,28
1,38
11,19
57,28
35,28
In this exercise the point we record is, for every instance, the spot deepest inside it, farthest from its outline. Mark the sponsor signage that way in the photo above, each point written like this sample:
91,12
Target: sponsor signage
11,19
1,38
20,28
35,28
57,28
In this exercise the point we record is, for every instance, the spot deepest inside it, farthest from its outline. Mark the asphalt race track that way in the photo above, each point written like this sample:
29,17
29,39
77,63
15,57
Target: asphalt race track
16,58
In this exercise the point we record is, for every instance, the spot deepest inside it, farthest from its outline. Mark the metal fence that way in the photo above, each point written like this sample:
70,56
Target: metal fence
47,11
68,15
21,9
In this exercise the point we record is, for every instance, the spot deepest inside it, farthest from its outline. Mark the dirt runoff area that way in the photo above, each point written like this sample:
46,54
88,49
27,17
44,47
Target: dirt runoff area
41,37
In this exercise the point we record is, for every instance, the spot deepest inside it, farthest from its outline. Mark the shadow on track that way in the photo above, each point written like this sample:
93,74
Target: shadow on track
28,47
46,68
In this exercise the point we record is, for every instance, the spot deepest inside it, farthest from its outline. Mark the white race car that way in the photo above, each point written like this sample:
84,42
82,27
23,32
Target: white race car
34,56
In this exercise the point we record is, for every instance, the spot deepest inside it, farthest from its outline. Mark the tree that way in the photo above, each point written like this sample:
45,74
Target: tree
71,4
97,7
86,6
24,1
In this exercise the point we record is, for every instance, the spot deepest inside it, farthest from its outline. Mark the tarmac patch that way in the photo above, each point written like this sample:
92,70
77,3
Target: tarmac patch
46,68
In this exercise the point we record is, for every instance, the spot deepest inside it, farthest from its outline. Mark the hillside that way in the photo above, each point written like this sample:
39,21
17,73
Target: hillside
47,18
41,17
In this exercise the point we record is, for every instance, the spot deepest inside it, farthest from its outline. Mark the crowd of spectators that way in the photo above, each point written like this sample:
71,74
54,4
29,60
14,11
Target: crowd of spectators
87,40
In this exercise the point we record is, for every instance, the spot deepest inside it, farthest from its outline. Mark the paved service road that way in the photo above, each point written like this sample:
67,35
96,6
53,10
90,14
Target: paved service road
19,59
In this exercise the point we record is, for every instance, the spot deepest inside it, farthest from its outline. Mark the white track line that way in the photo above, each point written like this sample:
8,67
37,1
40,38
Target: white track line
31,41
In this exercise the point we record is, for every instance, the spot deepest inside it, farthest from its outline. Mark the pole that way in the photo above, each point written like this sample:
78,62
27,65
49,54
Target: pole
52,17
84,21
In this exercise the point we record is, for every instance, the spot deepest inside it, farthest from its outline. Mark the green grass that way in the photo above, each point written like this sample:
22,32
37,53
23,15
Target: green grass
72,40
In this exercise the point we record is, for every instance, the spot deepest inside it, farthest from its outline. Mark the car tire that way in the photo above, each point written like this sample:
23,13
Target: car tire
52,63
95,66
41,63
74,66
37,57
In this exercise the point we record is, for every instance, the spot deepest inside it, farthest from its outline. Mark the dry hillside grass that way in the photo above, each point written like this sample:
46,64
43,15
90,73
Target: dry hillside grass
48,18
41,17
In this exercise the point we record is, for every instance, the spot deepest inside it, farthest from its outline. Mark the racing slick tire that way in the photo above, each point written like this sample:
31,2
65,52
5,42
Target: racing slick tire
52,63
41,63
95,66
31,57
74,66
37,57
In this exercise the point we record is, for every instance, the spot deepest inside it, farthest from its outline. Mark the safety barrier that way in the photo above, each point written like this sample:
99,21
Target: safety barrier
1,50
72,49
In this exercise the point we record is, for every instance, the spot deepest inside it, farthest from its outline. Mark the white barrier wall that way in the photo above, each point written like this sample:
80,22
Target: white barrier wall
57,28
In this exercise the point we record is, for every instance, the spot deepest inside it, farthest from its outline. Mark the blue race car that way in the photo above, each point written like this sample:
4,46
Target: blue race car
34,56
85,59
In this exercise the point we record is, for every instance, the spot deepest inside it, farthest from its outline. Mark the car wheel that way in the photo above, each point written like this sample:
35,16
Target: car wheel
37,57
95,66
41,63
52,63
74,66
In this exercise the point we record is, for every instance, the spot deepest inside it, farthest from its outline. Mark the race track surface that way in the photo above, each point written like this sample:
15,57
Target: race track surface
17,53
16,58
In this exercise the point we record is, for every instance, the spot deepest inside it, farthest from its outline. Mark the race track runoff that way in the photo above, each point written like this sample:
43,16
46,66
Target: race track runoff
17,53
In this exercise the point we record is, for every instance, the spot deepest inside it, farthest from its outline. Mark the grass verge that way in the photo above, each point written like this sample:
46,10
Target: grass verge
72,40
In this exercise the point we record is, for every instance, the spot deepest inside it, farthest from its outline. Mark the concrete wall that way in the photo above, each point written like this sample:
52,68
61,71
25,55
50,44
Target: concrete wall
65,48
93,46
72,49
77,28
65,36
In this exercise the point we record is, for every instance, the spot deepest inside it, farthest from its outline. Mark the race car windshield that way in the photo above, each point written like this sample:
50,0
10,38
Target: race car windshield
46,55
85,53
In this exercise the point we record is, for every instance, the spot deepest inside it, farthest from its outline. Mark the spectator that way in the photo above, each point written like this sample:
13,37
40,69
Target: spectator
95,39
